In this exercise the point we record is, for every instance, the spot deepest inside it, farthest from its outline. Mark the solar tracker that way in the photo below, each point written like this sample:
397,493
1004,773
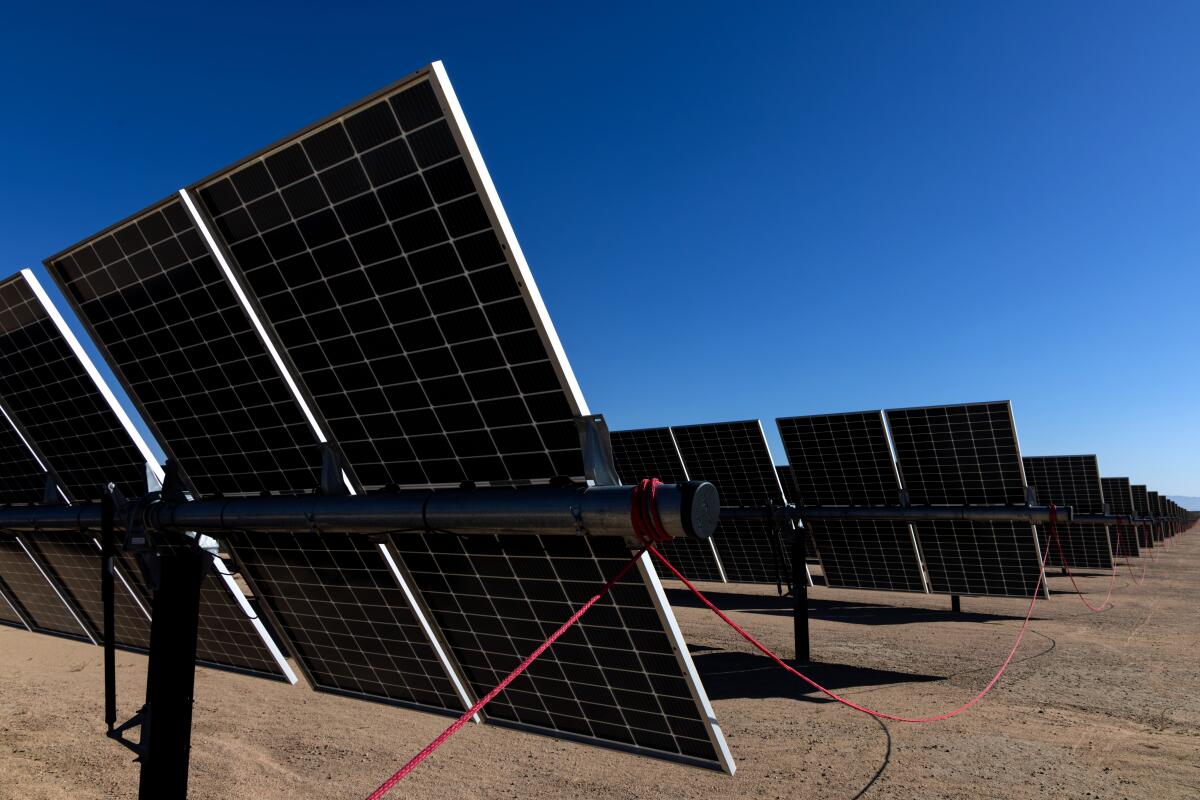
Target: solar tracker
172,327
1119,498
789,493
54,395
1141,506
1072,481
734,456
30,589
379,252
616,678
652,453
351,626
845,460
1156,510
74,561
967,455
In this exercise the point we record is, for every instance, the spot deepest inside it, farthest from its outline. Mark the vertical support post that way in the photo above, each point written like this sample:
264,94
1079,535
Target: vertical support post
800,597
108,552
171,675
955,603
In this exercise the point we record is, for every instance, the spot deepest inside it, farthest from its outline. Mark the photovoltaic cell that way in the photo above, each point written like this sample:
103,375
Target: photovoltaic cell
56,403
383,263
734,456
22,479
74,559
350,624
967,455
1141,506
651,453
1072,481
612,679
1119,498
169,324
28,588
845,460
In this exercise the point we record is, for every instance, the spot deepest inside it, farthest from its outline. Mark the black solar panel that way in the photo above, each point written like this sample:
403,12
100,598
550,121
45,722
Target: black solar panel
651,453
734,456
615,678
1156,510
381,256
350,625
1119,499
845,460
789,494
1141,506
1072,481
22,478
8,612
171,327
27,587
74,560
56,403
967,455
958,455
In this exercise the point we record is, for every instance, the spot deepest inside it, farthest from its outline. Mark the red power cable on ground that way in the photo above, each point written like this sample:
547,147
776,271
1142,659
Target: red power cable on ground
1104,606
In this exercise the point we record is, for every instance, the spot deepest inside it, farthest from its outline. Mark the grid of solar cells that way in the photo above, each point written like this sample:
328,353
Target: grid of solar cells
612,679
734,456
1119,498
377,259
840,459
1155,504
165,316
1072,481
789,493
26,586
74,559
651,453
958,455
1141,507
21,478
51,396
225,636
347,620
867,554
980,558
8,613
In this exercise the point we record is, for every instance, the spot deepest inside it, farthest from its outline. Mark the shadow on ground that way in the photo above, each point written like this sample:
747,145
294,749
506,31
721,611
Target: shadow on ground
855,613
729,676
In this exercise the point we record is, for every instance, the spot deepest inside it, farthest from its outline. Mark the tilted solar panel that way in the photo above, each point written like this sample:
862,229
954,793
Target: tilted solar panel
1141,507
967,455
735,457
30,589
8,612
1119,498
22,478
1156,510
54,396
652,453
1072,481
845,460
378,250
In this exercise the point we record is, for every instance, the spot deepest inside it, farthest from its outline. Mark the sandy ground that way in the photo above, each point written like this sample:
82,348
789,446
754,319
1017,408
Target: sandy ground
1095,706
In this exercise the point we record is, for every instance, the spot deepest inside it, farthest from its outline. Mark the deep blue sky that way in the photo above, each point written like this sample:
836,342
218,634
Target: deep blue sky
733,211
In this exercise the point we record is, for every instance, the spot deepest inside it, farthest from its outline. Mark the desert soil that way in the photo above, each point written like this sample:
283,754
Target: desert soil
1094,706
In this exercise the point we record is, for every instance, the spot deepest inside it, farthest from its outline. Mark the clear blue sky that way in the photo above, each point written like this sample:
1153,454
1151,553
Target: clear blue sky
733,211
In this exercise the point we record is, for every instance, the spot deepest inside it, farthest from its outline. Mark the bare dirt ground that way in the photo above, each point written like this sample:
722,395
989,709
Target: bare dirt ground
1094,706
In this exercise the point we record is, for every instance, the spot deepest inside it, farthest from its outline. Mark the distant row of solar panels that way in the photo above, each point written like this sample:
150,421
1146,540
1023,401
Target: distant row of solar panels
357,289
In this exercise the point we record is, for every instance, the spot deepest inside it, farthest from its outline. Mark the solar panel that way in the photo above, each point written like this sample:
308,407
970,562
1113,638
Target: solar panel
845,460
1155,504
30,589
22,478
652,453
1072,481
1119,498
171,326
967,455
380,254
8,612
1141,505
734,456
55,397
352,628
616,678
74,560
789,493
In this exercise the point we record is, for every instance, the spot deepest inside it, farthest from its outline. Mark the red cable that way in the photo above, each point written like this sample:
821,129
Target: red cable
1104,606
1128,565
400,774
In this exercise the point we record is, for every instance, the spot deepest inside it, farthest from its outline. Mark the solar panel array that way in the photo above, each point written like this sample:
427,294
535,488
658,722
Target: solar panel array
967,455
1119,498
845,460
1141,507
359,284
735,457
30,589
22,478
1072,481
8,612
652,453
1156,510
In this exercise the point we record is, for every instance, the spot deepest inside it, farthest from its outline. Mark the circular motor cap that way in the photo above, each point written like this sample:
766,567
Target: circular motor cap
700,508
